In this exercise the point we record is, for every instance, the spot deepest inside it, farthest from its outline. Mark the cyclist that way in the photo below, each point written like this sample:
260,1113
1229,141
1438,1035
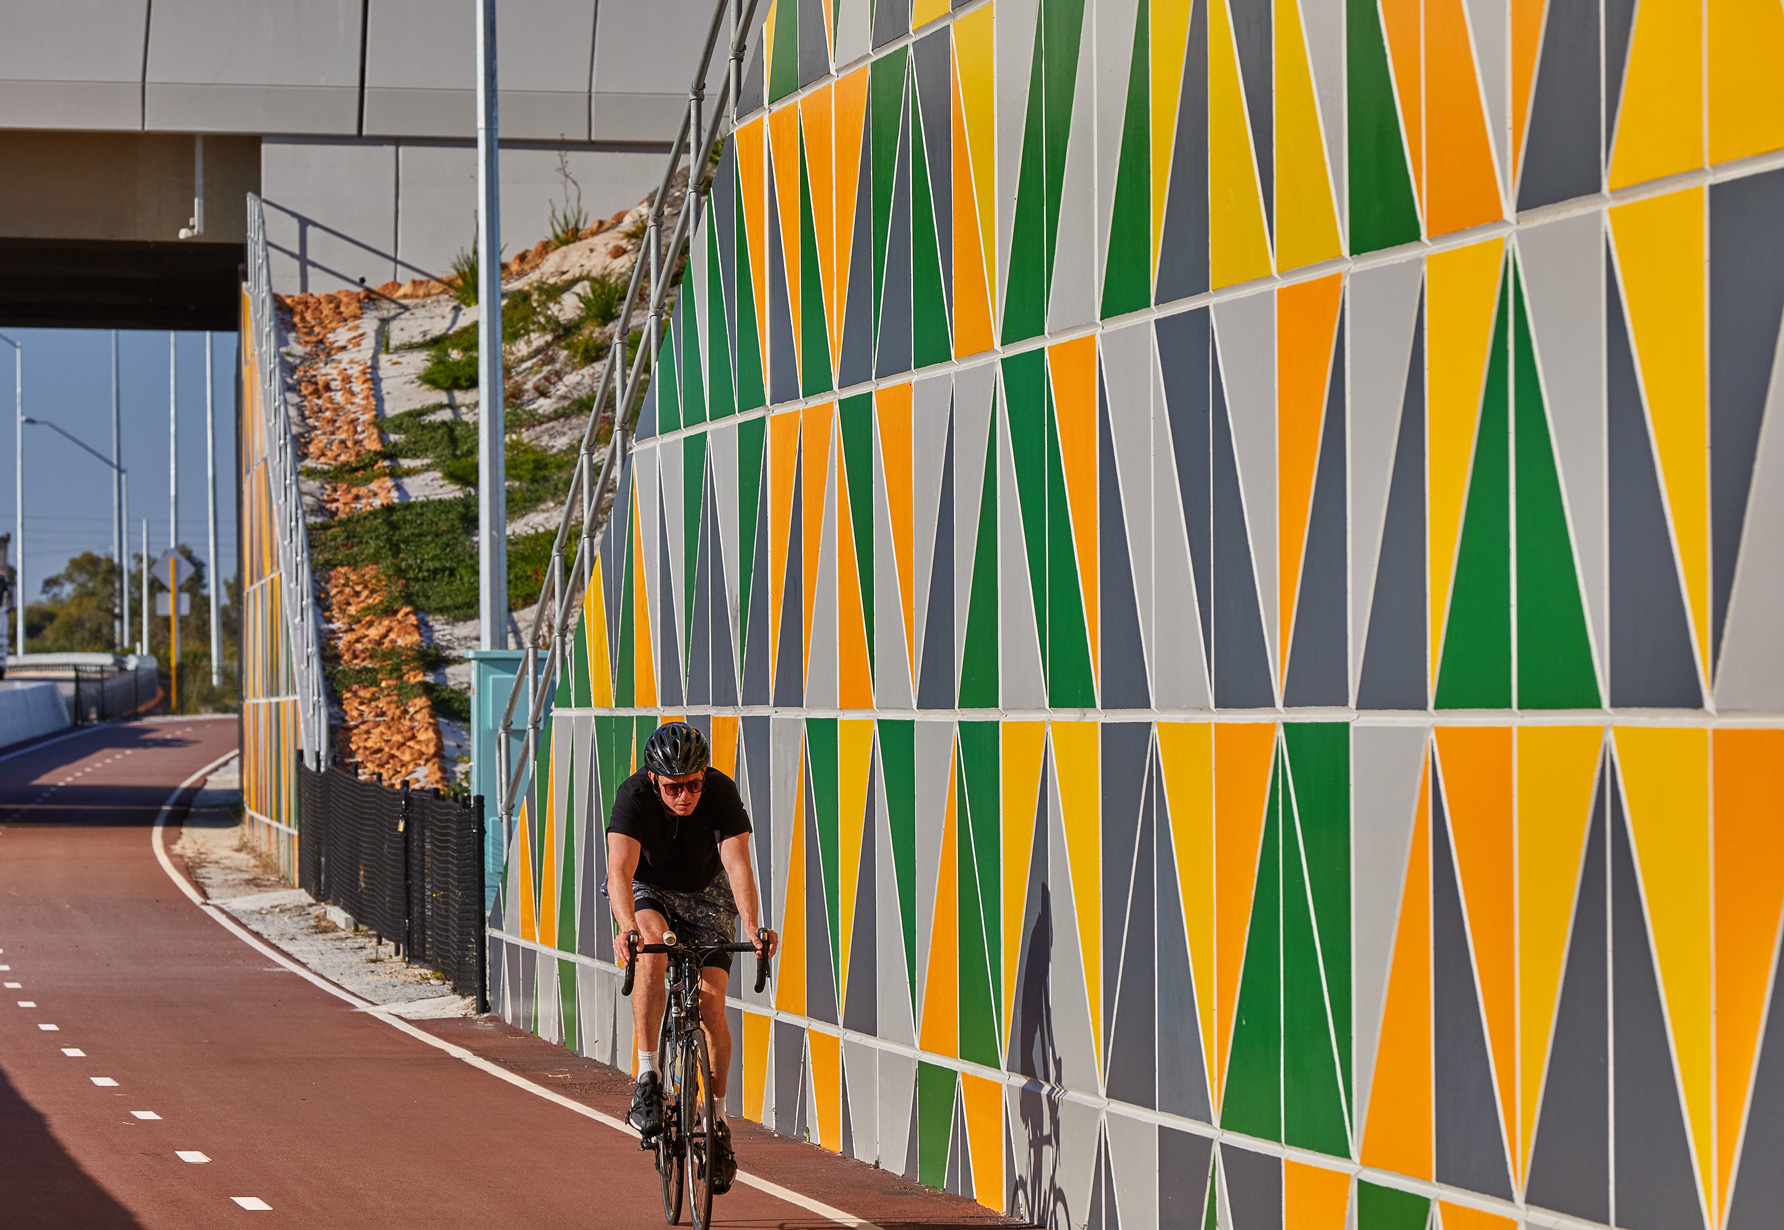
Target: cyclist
678,848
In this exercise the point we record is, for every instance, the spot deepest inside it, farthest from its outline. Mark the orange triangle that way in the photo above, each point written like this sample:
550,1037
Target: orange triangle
1462,1217
1526,37
1243,755
1477,786
1745,104
854,671
1074,406
724,743
594,632
1462,186
783,142
851,112
1306,327
941,983
644,668
750,173
1024,745
1314,1198
981,1099
1749,870
1399,1134
972,298
1400,21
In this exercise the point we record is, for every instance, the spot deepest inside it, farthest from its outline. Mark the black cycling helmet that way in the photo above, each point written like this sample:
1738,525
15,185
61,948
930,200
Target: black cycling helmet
675,748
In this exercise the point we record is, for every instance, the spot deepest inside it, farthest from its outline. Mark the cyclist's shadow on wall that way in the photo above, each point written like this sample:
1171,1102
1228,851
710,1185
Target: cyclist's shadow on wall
1037,1195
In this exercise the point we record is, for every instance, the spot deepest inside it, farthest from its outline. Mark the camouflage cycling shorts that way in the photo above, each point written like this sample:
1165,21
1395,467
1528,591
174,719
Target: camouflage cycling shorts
708,916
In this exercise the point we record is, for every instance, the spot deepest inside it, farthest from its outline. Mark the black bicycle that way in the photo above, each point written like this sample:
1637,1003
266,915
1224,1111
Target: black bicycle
684,1144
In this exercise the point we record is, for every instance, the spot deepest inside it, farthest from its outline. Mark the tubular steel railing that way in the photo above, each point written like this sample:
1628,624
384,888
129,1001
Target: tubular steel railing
291,532
694,143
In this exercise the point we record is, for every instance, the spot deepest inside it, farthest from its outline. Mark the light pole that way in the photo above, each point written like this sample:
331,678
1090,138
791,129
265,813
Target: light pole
18,485
117,481
210,487
123,619
173,516
492,495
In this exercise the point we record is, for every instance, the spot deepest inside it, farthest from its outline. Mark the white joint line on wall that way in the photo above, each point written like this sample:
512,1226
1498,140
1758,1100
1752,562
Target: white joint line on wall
382,1012
268,821
1693,719
1096,1102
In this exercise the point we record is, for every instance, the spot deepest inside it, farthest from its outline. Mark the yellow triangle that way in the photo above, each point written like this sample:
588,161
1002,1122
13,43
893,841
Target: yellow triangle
1023,744
1462,287
1746,105
1666,783
594,628
1306,219
1186,754
1076,761
1660,124
1660,253
1238,245
1169,27
523,847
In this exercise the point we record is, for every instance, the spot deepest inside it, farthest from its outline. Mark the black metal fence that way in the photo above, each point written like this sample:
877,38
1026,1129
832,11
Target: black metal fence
406,863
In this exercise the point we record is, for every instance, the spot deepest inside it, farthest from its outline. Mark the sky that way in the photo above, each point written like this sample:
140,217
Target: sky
68,493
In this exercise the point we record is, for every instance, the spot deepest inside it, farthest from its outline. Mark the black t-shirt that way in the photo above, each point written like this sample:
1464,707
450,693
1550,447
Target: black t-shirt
679,852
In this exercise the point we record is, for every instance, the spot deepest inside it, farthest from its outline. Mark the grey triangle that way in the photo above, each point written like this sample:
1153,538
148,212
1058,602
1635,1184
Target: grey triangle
1394,654
1470,1143
960,1167
755,644
848,1124
911,1157
1125,757
861,1012
1252,36
814,42
1131,1054
1031,1013
935,677
1561,144
749,93
820,966
1319,651
724,663
1185,343
1655,1183
1619,21
1570,1159
669,674
1123,656
855,364
783,363
1183,249
1184,1162
789,667
930,68
1241,659
1651,658
789,1067
891,20
1759,1181
893,354
1253,1188
700,624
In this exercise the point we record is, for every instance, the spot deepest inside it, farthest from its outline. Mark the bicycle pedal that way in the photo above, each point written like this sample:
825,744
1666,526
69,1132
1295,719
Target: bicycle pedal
648,1143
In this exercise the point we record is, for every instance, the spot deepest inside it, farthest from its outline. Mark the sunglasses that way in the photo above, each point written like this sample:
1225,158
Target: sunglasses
675,790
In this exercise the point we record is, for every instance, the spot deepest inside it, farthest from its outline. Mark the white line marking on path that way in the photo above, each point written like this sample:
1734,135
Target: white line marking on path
145,1114
382,1013
28,1003
191,1155
253,1202
37,747
50,1029
104,1082
13,986
74,1052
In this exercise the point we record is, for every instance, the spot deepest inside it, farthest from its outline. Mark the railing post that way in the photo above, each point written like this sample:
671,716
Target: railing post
403,834
482,929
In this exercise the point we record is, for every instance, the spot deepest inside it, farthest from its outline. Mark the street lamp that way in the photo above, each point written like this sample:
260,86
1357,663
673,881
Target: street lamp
18,486
109,464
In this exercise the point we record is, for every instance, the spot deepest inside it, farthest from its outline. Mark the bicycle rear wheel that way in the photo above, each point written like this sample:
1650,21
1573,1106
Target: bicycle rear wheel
671,1149
696,1126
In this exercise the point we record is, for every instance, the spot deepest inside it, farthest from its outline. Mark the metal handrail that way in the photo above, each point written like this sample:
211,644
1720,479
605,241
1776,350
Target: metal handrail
291,534
563,589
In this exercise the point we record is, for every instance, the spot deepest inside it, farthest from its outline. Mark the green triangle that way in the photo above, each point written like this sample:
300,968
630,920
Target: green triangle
814,336
751,437
1026,401
611,733
750,391
693,391
1382,209
724,401
979,658
1062,28
821,759
1025,294
1127,276
538,792
1475,669
1070,683
582,695
1253,1100
572,1034
855,417
1211,1217
929,340
886,90
979,868
783,68
898,768
1313,1105
1554,652
693,504
566,936
1388,1208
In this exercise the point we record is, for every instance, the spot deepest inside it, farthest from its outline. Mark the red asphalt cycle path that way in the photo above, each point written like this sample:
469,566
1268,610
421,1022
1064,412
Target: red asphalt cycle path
326,1114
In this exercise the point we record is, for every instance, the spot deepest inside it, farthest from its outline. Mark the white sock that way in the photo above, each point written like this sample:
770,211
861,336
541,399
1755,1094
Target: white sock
647,1062
718,1109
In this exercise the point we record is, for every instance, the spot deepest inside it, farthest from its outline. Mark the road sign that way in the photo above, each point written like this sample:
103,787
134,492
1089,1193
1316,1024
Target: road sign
182,569
161,603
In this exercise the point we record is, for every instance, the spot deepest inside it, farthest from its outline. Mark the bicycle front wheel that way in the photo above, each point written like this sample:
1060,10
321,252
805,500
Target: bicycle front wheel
671,1148
696,1126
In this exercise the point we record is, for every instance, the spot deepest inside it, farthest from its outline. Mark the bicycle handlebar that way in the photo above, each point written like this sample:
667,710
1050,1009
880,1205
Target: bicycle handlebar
702,951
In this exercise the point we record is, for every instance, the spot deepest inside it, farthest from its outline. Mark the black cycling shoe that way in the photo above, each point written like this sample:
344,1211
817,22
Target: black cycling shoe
721,1161
647,1105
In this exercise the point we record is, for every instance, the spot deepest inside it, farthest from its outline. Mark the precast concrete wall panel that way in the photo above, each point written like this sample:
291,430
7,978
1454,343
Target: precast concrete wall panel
73,65
331,212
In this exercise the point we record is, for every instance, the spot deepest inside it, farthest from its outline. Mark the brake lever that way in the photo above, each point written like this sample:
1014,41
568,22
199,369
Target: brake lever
631,962
766,937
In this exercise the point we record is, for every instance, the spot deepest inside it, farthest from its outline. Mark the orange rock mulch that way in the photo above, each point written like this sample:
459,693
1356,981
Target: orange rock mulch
388,736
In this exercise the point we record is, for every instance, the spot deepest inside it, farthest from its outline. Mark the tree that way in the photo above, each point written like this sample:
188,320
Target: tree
77,612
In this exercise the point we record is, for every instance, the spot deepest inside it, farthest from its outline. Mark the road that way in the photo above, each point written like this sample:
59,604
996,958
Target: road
156,1070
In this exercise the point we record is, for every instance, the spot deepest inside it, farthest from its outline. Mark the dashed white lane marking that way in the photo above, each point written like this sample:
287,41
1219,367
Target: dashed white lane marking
145,1114
253,1202
191,1155
27,1003
49,1029
13,986
767,1186
104,1082
74,1052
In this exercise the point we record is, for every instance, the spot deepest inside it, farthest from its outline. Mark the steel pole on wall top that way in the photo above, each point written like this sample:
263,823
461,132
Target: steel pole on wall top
492,501
210,487
122,622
